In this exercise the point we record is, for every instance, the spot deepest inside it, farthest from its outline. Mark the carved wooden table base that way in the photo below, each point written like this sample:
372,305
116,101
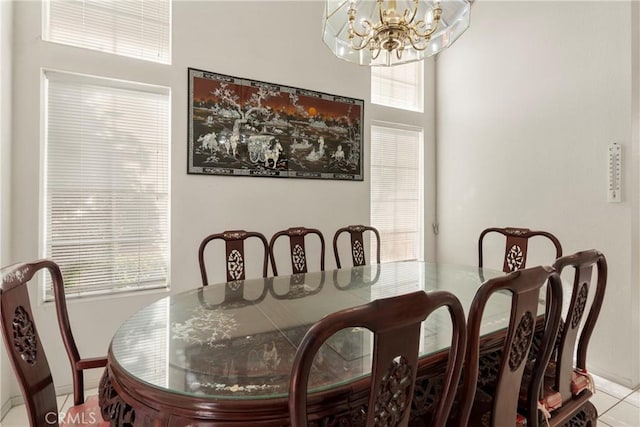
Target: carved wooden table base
426,391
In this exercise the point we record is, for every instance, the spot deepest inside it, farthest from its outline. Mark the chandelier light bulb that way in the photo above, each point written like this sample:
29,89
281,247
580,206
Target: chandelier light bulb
428,19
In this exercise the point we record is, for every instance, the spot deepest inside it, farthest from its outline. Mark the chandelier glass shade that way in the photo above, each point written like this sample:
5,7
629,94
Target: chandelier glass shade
391,32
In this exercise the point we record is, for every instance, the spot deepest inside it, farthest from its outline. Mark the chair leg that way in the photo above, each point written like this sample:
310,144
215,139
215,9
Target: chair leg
78,387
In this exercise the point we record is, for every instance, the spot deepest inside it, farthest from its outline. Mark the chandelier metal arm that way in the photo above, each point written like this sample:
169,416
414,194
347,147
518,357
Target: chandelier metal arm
352,29
364,36
413,15
415,43
401,28
365,40
437,13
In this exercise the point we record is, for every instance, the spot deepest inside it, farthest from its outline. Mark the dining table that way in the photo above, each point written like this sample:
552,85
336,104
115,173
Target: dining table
221,355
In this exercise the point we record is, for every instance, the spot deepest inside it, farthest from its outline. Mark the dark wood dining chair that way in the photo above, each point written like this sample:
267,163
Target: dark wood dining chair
26,353
516,246
297,248
356,234
395,323
234,253
569,387
500,407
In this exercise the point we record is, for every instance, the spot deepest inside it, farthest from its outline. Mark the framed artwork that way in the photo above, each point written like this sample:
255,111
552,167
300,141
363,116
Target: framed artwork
250,128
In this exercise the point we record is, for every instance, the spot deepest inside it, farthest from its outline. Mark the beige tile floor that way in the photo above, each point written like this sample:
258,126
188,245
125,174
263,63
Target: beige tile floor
617,405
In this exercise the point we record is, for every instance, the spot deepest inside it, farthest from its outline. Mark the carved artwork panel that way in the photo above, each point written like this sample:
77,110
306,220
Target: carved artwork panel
581,302
234,235
17,276
242,127
235,265
393,397
426,392
515,258
521,341
299,258
24,335
358,253
112,407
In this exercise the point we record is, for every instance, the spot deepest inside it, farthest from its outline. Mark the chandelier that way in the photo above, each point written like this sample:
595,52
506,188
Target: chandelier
391,32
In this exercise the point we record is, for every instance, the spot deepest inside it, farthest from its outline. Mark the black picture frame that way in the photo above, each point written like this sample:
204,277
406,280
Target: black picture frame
243,127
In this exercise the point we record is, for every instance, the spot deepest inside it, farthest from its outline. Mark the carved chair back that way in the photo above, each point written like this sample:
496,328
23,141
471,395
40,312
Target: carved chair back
15,278
525,287
297,236
23,343
395,323
583,264
234,253
356,233
516,245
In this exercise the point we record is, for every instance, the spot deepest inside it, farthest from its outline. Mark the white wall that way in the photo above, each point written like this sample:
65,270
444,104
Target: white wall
258,40
528,101
634,184
5,164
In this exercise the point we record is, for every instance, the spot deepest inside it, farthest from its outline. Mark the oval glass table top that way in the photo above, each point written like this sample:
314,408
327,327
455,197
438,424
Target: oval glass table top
237,340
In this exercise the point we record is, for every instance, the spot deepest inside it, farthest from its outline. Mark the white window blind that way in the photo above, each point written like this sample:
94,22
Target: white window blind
400,86
134,28
106,183
396,191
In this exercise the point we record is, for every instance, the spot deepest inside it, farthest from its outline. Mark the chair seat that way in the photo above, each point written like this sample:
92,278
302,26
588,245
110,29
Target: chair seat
481,411
581,381
83,415
551,398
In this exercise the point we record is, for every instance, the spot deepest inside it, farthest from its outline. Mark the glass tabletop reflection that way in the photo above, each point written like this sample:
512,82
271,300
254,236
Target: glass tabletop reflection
237,340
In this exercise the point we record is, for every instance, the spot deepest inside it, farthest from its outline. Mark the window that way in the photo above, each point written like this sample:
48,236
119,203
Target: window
135,28
399,86
397,157
106,178
396,190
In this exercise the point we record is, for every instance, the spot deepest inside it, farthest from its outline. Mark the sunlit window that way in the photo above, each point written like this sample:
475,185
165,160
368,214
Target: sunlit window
396,190
135,28
106,176
400,86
